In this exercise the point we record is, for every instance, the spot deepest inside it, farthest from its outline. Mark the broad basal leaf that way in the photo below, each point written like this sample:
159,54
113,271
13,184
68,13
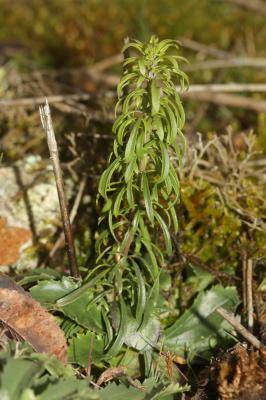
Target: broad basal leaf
200,328
79,347
83,309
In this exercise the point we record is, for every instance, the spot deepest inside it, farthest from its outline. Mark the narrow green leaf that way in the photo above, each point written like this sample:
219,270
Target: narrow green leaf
154,193
143,228
111,225
171,136
118,343
117,203
165,162
175,182
141,293
122,130
151,301
130,147
164,45
174,218
153,261
130,196
125,80
130,169
106,177
136,45
166,234
108,327
168,184
129,236
158,126
147,198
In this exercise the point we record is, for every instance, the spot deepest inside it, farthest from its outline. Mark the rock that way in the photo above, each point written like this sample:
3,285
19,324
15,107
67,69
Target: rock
12,239
29,212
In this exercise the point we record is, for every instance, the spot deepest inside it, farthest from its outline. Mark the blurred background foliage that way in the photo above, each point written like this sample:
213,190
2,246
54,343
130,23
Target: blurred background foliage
77,32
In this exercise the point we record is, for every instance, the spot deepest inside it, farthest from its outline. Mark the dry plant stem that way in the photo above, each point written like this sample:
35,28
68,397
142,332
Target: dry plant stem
244,271
228,100
249,279
203,48
111,373
112,81
31,101
228,63
106,63
48,127
239,328
228,87
88,371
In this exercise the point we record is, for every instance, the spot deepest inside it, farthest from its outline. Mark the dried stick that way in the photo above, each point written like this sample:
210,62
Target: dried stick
32,101
73,214
113,80
249,297
203,48
106,63
229,100
239,328
228,63
88,370
48,128
244,285
111,373
228,87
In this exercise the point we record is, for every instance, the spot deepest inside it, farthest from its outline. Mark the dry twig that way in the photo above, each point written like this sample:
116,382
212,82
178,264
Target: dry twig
228,63
239,328
88,371
111,373
249,297
204,92
48,128
228,87
203,48
32,101
226,99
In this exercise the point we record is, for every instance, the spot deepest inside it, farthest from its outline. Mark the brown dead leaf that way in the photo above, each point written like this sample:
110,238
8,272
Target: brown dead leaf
29,321
12,239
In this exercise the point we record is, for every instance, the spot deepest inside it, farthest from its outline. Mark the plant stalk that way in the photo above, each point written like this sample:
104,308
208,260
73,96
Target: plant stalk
240,328
46,119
